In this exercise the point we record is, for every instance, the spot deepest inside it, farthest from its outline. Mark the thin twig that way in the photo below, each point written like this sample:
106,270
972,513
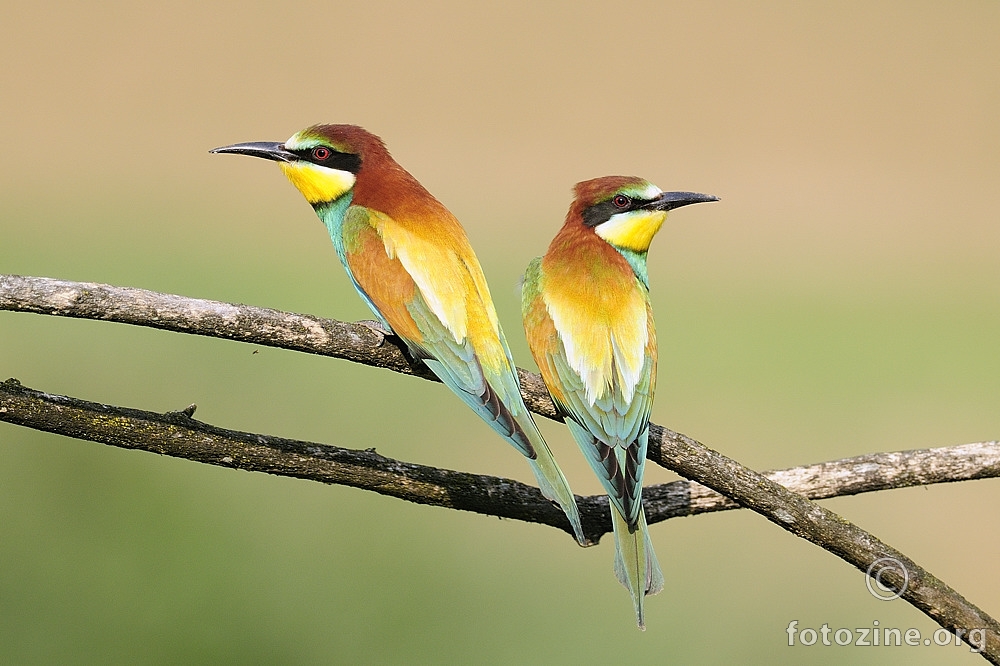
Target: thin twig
838,478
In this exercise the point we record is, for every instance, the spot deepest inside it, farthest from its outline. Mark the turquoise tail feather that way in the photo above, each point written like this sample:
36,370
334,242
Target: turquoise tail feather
552,482
520,432
635,561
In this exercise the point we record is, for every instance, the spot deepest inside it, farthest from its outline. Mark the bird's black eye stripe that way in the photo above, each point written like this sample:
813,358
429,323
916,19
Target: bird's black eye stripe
330,158
602,212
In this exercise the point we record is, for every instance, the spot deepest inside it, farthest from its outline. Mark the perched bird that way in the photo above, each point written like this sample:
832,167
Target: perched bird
411,261
589,324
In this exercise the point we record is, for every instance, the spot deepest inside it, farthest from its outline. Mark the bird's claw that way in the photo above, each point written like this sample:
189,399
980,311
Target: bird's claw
378,328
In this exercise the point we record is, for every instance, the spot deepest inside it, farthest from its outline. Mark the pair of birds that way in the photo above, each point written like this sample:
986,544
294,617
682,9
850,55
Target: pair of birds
585,305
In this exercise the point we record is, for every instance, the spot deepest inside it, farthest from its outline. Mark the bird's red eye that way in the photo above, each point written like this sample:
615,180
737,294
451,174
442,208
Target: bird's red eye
621,201
320,153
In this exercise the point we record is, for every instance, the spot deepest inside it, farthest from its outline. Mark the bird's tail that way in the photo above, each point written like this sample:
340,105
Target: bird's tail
635,561
553,483
514,425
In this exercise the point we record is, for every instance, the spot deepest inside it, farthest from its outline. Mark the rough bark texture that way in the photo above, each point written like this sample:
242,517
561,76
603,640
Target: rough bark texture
360,343
179,435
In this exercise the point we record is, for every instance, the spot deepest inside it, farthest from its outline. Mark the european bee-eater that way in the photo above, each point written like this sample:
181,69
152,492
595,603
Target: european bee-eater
589,324
412,263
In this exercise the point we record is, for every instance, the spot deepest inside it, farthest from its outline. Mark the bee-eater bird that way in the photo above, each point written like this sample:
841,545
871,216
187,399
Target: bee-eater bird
411,262
589,324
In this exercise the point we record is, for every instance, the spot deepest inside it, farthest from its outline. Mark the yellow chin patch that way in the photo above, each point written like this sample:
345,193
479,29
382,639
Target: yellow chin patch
318,184
633,230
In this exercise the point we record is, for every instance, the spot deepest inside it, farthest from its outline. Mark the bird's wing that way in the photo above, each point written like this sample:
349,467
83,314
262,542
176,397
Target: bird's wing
606,402
431,294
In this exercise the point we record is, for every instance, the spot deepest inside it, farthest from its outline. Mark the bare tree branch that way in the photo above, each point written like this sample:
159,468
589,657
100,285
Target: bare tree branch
88,300
359,343
179,435
838,478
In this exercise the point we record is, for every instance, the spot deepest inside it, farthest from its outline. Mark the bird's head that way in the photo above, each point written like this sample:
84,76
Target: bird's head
322,161
626,211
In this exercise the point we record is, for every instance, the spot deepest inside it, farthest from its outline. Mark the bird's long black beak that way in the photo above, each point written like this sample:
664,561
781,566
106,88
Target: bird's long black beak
671,200
263,149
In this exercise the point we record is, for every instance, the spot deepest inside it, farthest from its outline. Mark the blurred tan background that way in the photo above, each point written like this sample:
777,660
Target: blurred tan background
841,299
